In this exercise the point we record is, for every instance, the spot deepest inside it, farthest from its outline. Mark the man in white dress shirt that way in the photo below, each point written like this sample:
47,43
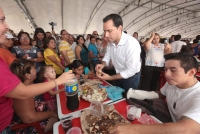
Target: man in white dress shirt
124,51
177,44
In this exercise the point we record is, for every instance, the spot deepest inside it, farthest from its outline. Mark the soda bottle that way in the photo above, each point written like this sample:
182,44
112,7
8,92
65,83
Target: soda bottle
71,89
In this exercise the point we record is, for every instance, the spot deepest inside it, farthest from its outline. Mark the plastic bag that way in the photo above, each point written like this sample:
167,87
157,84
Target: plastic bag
98,109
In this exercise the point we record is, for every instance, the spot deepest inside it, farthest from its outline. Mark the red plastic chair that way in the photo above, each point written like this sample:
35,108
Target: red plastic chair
36,125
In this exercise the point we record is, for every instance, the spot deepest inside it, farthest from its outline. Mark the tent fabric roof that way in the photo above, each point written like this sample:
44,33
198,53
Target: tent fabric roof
166,17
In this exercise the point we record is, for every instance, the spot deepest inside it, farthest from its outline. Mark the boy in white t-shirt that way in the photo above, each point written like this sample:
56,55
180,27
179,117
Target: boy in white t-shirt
182,92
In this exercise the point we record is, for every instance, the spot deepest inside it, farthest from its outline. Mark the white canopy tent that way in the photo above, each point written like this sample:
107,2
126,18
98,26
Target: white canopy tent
166,17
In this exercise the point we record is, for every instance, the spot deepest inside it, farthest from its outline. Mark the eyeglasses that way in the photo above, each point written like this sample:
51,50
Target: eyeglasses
24,38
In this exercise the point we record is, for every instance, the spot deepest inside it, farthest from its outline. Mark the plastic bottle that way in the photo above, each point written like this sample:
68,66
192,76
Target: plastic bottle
71,89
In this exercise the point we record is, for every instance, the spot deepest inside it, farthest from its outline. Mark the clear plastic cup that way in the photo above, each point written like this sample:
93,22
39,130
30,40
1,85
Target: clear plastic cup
131,111
66,123
74,130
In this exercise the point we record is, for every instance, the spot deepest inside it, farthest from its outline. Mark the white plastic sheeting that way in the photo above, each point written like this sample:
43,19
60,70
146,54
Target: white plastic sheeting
165,17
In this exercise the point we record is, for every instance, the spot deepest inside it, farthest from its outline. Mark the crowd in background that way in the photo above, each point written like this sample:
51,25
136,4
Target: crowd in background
59,51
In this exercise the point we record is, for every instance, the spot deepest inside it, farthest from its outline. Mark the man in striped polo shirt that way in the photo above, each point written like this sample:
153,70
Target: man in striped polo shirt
65,48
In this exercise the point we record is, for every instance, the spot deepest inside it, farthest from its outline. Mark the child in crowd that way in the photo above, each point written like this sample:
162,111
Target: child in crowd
47,73
32,109
80,71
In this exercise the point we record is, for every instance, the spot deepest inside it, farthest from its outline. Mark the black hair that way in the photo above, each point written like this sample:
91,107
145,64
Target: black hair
20,35
187,49
195,41
98,39
83,43
76,64
198,37
21,67
177,37
47,40
91,37
62,31
39,30
117,19
187,61
136,33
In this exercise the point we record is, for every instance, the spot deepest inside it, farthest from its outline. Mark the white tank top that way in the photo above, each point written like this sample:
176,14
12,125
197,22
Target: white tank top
155,55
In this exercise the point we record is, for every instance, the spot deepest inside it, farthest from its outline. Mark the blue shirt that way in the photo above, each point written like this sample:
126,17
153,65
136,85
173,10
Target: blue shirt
94,50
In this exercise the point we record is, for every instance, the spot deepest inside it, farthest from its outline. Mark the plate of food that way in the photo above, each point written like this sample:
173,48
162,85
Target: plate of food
92,124
90,91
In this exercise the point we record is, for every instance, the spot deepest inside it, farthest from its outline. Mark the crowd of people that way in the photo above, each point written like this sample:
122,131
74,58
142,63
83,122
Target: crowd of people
41,62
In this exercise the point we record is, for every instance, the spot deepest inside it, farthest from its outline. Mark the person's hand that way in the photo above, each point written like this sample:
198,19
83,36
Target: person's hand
54,114
167,46
25,56
99,68
103,76
78,77
62,89
85,76
122,129
152,35
64,78
53,32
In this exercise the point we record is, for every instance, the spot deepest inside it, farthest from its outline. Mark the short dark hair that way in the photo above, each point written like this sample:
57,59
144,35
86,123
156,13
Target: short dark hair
117,19
47,40
135,33
177,37
91,37
187,49
195,41
187,61
98,39
62,31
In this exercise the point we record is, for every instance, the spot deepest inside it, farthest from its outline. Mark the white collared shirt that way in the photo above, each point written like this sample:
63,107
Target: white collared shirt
125,56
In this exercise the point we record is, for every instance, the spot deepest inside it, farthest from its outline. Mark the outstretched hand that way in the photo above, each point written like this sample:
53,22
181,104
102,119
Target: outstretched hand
103,75
65,77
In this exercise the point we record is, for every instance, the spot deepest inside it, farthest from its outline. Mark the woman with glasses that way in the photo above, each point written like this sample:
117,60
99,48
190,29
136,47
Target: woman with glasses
26,51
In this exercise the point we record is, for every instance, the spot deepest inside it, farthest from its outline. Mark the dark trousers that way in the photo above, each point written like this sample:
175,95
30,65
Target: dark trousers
94,63
131,82
150,78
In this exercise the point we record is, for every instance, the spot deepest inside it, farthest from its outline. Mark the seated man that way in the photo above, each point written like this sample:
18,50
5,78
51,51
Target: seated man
182,92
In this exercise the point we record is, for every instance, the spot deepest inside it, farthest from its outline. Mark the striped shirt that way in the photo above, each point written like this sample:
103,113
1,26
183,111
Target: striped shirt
65,46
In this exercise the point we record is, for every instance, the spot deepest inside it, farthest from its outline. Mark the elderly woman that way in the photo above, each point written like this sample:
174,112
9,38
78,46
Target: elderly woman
26,51
154,63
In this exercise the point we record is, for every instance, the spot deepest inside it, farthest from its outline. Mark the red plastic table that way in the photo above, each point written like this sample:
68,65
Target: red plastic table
62,108
120,106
